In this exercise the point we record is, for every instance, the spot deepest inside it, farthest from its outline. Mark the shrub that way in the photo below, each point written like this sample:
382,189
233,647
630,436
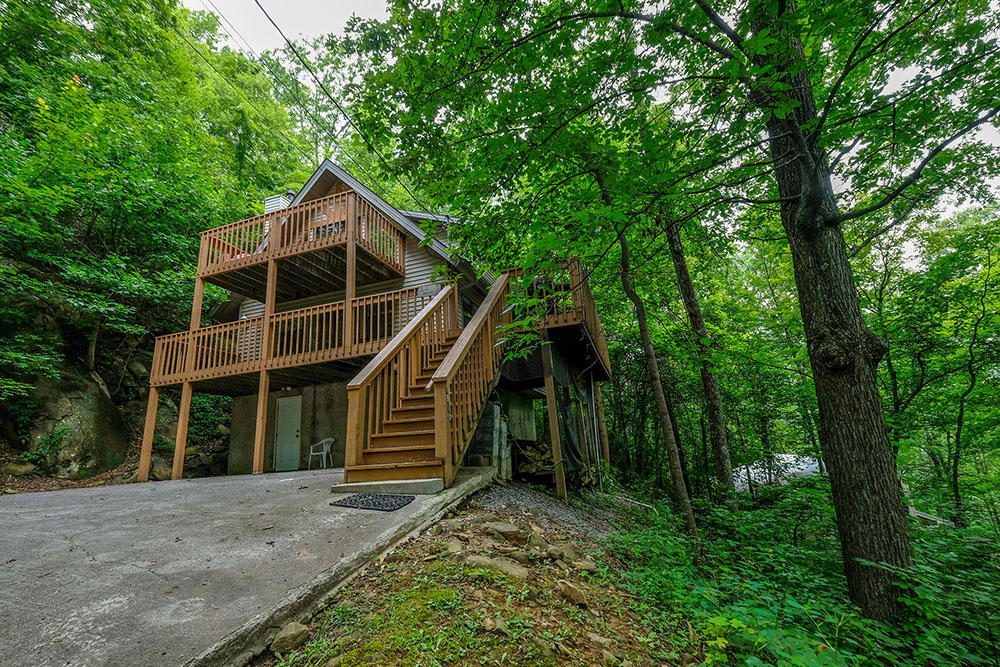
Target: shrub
765,586
48,446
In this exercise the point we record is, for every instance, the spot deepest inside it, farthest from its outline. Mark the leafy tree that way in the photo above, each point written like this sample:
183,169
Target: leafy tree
511,105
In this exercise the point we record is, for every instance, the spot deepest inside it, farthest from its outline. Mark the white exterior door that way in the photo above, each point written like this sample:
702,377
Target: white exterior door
287,449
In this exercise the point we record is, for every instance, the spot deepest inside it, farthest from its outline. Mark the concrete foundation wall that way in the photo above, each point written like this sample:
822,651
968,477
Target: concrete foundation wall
324,415
489,446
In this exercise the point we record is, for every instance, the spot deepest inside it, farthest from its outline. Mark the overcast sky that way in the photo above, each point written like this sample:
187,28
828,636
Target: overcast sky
308,18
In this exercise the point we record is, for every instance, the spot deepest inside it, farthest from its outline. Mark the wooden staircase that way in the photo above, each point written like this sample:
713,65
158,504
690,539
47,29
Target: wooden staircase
405,448
412,411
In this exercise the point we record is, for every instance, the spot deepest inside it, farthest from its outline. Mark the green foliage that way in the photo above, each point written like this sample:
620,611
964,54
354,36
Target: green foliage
119,144
207,413
765,586
48,446
22,409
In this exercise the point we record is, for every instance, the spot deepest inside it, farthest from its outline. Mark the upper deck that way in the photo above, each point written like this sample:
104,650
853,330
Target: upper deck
310,240
567,309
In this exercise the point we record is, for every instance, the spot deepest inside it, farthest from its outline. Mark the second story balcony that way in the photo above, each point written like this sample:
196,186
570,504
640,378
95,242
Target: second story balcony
310,240
217,356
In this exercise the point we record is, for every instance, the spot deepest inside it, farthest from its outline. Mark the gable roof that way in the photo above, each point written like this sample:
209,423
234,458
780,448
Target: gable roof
323,178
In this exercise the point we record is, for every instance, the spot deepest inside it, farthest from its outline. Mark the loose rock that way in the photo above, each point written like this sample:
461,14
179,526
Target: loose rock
507,530
521,556
161,472
290,638
18,468
503,565
543,646
603,642
608,658
537,541
572,593
569,553
585,565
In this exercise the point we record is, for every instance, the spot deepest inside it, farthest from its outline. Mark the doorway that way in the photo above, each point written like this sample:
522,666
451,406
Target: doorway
287,449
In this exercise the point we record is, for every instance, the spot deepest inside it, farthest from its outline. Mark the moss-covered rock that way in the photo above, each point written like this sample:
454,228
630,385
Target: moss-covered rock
79,431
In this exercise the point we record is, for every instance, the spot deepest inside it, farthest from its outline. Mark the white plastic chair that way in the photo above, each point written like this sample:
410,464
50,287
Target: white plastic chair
322,450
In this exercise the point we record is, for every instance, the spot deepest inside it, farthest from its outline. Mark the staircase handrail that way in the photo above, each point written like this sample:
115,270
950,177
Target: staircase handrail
449,366
382,384
455,419
380,360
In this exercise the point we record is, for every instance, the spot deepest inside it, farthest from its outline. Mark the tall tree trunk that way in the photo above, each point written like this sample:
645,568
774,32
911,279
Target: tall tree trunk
709,383
91,358
972,371
677,439
843,352
701,459
666,424
746,450
765,446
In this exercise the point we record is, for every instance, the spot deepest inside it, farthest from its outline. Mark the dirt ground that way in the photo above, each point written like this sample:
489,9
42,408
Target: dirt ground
9,484
512,577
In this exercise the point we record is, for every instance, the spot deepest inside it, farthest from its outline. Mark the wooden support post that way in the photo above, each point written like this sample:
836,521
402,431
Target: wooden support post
261,430
350,277
442,448
199,292
602,426
146,453
550,400
264,387
354,444
584,433
270,296
180,444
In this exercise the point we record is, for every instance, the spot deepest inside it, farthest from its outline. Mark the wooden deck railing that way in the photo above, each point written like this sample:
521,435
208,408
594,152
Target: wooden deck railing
464,379
566,301
391,375
298,337
305,227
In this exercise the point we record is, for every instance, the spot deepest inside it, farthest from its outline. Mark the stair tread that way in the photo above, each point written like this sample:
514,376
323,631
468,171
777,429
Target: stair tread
407,420
401,448
402,464
427,431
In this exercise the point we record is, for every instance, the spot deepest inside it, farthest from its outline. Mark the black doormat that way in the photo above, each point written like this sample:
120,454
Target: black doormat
374,501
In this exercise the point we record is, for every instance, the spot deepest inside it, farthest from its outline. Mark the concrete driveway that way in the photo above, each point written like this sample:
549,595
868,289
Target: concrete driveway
156,573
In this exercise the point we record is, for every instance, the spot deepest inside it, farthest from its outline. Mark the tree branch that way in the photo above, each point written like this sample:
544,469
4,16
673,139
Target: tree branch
915,174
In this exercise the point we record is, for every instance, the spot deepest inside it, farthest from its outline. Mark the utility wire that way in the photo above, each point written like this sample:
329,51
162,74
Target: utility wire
256,57
276,81
239,92
323,87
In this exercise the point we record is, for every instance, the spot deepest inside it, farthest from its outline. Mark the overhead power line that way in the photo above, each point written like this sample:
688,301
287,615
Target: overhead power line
347,116
231,84
318,124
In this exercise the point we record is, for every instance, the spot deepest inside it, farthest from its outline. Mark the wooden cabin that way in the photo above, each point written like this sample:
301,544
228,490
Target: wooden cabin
349,321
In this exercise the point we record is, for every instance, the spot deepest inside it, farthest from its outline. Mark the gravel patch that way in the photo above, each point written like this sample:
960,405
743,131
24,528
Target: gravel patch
594,521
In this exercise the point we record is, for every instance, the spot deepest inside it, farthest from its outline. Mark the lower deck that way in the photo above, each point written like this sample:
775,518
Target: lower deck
320,343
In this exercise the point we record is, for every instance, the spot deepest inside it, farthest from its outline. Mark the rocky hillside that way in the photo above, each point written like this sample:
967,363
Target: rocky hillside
513,577
80,429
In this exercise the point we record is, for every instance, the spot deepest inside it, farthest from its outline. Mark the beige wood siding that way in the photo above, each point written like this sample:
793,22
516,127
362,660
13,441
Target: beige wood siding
420,264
